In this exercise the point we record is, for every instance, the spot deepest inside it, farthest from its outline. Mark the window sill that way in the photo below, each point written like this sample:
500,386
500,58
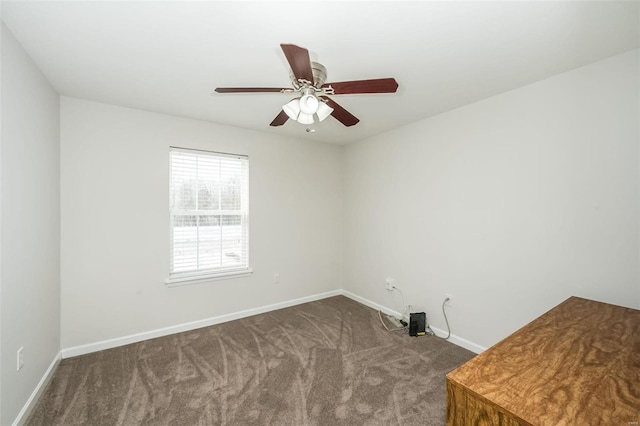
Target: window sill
201,278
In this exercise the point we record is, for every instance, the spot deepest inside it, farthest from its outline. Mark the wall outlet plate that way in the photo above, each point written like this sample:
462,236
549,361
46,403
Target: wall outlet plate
449,302
19,359
390,284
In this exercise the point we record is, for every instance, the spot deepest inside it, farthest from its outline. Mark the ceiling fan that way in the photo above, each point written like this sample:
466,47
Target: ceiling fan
308,80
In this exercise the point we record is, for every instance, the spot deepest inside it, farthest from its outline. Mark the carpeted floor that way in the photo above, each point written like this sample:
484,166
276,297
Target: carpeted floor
328,362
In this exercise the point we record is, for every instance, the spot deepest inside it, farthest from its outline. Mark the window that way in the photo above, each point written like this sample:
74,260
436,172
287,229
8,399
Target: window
209,209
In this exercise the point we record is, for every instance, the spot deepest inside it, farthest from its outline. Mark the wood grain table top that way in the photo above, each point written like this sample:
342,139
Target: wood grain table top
578,364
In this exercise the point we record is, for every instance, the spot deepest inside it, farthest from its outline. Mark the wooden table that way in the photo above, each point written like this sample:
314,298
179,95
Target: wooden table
578,364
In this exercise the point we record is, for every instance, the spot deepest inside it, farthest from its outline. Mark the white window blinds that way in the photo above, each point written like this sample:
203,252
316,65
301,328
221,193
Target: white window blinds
209,203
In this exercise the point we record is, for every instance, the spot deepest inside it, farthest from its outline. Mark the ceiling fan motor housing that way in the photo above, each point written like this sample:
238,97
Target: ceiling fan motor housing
319,75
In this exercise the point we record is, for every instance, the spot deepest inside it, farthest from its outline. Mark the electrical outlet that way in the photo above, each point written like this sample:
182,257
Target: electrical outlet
448,300
390,284
19,359
276,278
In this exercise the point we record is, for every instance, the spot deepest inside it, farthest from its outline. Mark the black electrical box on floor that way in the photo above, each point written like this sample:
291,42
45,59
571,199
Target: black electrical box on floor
417,324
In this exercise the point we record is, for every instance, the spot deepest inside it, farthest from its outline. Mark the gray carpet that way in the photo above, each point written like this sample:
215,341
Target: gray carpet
328,362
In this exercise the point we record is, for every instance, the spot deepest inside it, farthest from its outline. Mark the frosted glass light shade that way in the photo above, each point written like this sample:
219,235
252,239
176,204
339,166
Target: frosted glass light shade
305,118
324,111
309,104
292,109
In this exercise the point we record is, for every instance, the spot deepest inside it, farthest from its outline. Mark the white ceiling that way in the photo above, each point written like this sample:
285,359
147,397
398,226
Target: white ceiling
169,56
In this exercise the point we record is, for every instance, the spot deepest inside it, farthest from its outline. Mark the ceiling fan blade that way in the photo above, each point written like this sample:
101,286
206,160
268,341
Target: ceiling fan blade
378,85
299,61
280,119
341,114
251,89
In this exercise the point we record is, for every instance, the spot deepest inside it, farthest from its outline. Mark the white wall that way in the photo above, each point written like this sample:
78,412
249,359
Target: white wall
511,204
30,221
115,221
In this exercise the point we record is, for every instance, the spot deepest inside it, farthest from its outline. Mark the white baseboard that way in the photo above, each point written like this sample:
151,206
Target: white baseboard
134,338
459,341
371,304
28,406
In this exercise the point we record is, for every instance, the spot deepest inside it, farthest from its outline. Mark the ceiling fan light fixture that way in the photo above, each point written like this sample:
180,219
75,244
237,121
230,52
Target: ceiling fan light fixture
305,118
292,109
324,111
309,104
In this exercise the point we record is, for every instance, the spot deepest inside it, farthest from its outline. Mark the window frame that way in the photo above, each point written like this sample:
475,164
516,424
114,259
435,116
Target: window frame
209,274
